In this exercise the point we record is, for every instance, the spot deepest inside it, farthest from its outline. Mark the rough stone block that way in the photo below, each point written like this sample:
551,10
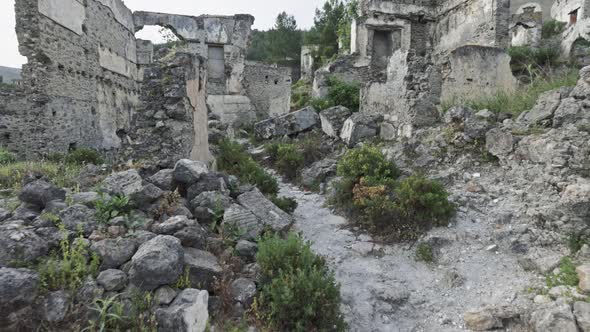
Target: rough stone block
287,124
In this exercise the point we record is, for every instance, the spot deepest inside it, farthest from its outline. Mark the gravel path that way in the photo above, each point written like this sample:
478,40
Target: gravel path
385,289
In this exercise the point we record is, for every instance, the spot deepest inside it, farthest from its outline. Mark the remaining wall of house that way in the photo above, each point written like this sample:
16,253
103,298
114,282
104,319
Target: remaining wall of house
269,88
526,27
544,6
307,61
562,11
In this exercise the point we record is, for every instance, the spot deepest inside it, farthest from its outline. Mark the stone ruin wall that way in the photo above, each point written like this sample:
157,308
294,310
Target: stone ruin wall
269,88
81,81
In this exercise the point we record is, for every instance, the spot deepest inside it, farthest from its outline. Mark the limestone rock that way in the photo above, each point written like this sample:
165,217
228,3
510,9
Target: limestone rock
268,213
360,126
158,262
482,320
554,317
114,252
239,217
192,236
203,267
55,307
333,119
164,295
500,142
189,171
40,192
164,180
87,198
582,313
570,111
78,217
584,275
318,172
20,244
18,289
246,249
208,182
457,114
545,107
188,313
171,225
243,290
576,198
112,280
146,196
123,183
4,214
288,124
212,200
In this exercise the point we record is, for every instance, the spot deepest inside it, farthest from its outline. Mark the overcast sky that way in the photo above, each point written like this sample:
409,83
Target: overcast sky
265,12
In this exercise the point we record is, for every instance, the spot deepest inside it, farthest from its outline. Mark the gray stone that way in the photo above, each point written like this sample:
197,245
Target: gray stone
583,272
476,127
203,267
481,320
486,115
148,194
26,212
89,291
554,317
457,115
124,183
288,124
189,171
388,132
87,198
192,236
269,214
112,280
18,289
318,172
212,200
208,182
242,219
164,295
56,306
333,119
582,313
4,214
571,111
78,217
40,192
188,313
500,142
576,198
360,126
114,252
164,180
243,290
246,250
544,109
171,225
158,262
55,207
20,244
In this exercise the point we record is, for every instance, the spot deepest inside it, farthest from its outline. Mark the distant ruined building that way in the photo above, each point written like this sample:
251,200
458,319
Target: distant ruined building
90,82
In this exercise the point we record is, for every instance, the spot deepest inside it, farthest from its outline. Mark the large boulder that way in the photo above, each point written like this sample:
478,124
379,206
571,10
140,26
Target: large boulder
79,217
40,192
269,214
543,111
360,126
571,111
554,317
114,252
333,119
188,313
18,289
288,124
203,268
189,171
124,183
158,262
500,142
20,244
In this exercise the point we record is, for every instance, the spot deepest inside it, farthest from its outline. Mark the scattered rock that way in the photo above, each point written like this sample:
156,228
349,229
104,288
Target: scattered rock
208,182
4,214
112,280
124,183
576,198
114,252
87,198
164,180
268,213
554,317
20,244
40,192
157,262
238,217
203,268
18,289
172,225
544,109
500,142
246,250
360,126
188,313
192,236
584,275
318,172
78,217
56,306
189,171
288,124
243,290
148,194
164,295
212,200
582,313
333,120
482,320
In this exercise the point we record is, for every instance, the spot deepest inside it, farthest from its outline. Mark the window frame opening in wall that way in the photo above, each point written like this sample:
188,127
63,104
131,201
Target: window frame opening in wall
216,79
384,40
573,15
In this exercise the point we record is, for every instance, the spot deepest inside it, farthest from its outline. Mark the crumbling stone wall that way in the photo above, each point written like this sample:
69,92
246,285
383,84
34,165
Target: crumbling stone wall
81,79
543,6
576,15
526,26
269,88
308,61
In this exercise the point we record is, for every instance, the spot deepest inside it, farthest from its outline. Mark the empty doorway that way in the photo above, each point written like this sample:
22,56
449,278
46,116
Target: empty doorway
216,70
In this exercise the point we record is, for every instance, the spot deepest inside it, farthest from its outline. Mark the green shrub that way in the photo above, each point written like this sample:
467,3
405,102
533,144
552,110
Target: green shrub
286,204
552,28
424,201
345,94
311,148
108,208
234,160
69,268
6,157
576,241
287,159
84,156
565,276
298,292
320,104
424,252
367,162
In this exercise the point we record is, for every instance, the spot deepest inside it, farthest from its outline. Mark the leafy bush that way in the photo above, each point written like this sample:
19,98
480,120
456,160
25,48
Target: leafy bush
108,208
234,160
425,253
69,268
286,204
84,156
6,157
340,93
367,162
526,59
552,28
298,291
424,201
576,241
565,276
62,175
523,99
286,158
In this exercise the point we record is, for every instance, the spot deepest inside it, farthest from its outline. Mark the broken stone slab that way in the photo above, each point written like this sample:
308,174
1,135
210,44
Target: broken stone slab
188,312
158,262
287,124
500,142
269,214
203,268
571,111
360,126
333,119
124,183
244,221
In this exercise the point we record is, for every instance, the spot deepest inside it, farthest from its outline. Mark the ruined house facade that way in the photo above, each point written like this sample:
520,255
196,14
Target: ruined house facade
422,53
89,82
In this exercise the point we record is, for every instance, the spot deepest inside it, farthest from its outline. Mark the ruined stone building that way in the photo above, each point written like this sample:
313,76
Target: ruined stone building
89,82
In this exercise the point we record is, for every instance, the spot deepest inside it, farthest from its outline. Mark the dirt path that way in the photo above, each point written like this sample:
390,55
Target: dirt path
385,289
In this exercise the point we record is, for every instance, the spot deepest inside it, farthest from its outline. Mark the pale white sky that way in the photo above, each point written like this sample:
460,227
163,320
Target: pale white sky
265,12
